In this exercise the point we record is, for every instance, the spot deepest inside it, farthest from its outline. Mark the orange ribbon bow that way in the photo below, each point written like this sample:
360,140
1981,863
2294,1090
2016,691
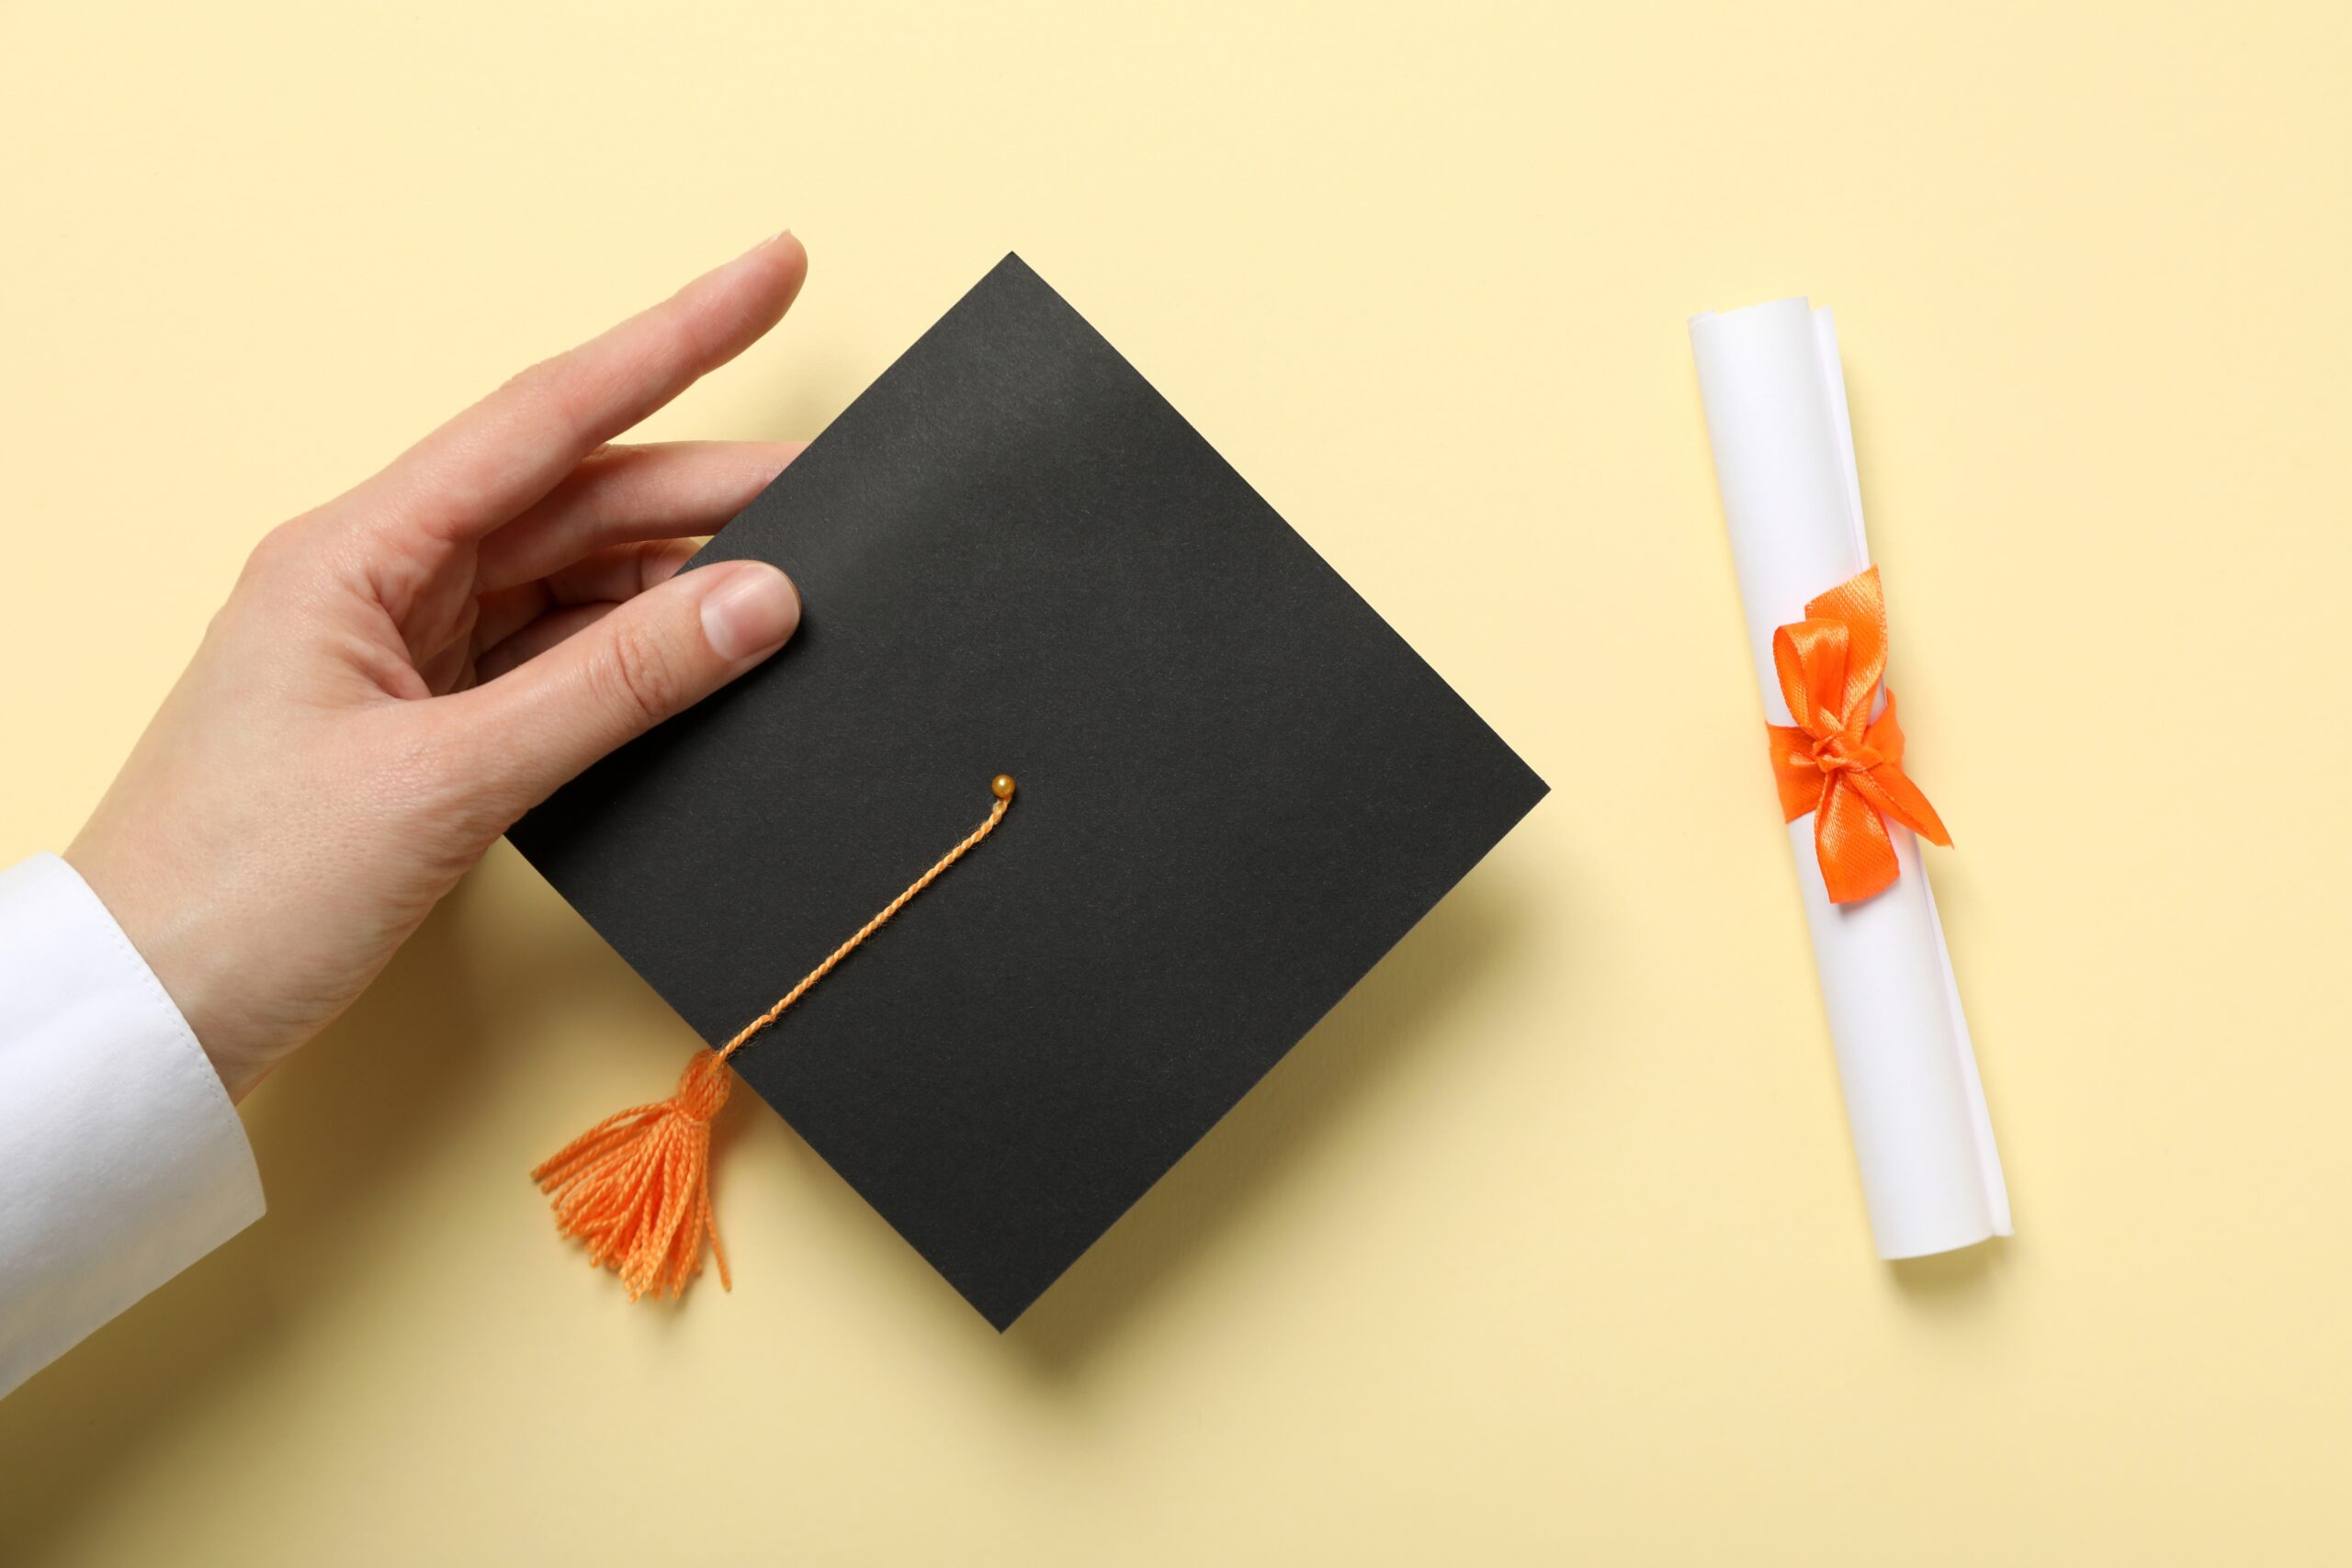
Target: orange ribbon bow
1837,761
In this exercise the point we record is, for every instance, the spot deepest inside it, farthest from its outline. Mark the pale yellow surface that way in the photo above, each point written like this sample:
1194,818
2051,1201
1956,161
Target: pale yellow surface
1546,1246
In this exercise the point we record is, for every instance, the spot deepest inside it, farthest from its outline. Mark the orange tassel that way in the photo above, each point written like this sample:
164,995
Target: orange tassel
636,1186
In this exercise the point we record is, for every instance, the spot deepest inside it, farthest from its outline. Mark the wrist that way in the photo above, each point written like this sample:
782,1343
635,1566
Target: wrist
163,930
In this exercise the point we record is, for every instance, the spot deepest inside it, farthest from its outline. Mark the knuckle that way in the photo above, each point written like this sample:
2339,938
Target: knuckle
277,551
539,378
570,392
635,675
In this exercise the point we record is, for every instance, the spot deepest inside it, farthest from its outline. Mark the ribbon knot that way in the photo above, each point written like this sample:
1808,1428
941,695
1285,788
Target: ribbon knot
1838,760
1835,754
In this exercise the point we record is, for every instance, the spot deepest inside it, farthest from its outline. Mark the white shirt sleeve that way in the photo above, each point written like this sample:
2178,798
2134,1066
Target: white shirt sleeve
121,1159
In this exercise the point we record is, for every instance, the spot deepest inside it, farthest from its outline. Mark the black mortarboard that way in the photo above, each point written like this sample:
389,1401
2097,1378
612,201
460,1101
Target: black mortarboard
1237,789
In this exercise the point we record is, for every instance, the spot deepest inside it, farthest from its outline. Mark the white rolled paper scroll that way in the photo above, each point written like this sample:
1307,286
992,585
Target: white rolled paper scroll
1775,396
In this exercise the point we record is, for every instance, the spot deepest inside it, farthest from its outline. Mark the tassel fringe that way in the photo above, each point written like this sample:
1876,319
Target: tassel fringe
636,1186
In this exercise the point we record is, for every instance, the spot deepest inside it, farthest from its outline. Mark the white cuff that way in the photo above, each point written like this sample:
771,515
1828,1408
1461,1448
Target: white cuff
121,1159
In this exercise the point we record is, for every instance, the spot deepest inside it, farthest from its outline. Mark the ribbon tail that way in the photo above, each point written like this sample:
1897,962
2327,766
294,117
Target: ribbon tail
1900,798
1891,789
1856,854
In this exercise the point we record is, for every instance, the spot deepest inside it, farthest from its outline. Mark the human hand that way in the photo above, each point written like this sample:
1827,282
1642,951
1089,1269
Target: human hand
400,673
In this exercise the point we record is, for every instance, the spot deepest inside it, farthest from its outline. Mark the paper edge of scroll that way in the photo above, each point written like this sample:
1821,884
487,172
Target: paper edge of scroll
1988,1153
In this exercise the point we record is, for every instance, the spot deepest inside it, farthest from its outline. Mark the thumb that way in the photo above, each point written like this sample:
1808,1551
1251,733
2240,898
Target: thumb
654,655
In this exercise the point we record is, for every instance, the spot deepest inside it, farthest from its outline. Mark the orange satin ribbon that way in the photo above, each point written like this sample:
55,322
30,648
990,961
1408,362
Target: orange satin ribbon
1837,761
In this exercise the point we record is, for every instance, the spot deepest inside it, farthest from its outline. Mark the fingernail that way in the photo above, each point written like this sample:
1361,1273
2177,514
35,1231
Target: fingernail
749,611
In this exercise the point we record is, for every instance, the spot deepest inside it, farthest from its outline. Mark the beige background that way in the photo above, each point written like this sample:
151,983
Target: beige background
1546,1246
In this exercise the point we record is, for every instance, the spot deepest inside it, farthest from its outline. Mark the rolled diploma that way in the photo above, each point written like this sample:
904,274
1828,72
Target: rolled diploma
1775,396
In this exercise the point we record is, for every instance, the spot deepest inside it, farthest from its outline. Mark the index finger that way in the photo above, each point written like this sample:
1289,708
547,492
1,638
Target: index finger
511,448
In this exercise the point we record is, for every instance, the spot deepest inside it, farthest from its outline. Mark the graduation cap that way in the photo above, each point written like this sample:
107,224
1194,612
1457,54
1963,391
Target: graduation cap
1237,788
